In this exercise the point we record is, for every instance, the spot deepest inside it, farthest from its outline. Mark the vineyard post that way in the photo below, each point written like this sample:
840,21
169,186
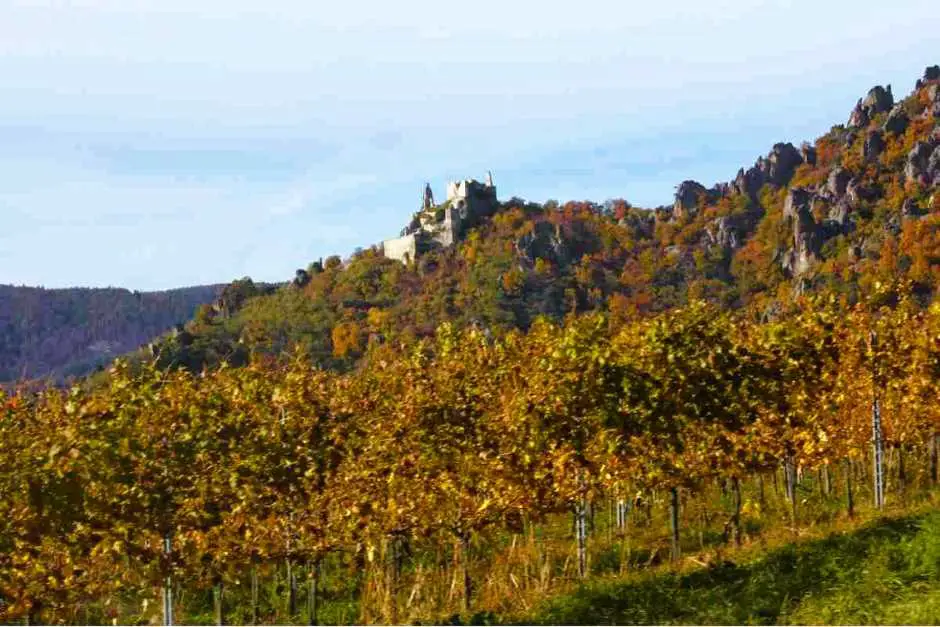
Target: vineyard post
581,529
168,582
736,498
878,447
934,454
902,475
289,564
674,522
291,590
850,501
790,472
610,520
254,592
623,511
465,568
934,466
391,578
217,598
878,451
313,578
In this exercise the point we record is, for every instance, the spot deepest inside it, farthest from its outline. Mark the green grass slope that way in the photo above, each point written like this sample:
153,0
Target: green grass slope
886,572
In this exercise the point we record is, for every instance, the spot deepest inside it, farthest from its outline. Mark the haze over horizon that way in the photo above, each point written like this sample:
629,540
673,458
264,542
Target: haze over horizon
150,145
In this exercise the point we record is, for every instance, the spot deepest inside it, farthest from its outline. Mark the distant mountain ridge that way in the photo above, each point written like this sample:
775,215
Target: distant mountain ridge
61,333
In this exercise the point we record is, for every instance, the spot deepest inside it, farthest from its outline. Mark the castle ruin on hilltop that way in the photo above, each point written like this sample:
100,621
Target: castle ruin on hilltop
442,225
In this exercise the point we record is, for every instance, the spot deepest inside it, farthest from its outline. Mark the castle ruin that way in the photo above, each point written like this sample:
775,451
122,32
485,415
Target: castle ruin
442,225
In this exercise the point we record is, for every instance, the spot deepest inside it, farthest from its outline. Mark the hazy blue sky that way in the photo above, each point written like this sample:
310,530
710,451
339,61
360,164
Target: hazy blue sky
151,144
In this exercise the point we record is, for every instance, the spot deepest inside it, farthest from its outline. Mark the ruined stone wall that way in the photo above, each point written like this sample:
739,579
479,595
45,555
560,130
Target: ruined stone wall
401,248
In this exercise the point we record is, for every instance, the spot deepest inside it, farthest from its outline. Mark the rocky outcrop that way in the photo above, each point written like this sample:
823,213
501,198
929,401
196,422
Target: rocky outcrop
838,182
643,222
748,182
849,138
878,100
688,197
931,73
807,236
723,233
839,213
808,153
776,168
923,163
797,199
874,145
544,241
855,192
781,163
800,209
909,209
897,121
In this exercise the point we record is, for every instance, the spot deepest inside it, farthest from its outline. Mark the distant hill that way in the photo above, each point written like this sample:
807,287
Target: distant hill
63,333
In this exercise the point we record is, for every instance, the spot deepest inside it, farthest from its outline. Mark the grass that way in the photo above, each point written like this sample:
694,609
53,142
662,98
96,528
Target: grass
885,572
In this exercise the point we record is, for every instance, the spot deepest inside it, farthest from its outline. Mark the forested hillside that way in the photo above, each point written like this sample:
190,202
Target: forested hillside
60,333
854,208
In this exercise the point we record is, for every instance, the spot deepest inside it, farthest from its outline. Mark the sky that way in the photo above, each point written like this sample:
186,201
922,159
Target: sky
152,144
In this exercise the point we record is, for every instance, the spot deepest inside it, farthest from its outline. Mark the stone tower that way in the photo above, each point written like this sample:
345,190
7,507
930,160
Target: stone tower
428,202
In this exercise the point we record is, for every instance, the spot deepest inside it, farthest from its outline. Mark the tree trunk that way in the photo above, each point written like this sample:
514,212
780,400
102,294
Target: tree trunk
217,602
674,523
313,580
826,480
761,500
33,615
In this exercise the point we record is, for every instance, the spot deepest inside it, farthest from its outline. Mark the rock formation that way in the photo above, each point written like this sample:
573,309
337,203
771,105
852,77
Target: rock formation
923,163
688,196
808,153
874,145
544,241
838,182
776,168
931,73
878,100
806,233
897,121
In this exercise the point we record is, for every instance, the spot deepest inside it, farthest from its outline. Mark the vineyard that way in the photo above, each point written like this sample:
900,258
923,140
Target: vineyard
462,476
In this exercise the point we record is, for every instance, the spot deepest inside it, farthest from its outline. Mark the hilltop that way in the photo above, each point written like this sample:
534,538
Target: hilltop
856,207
